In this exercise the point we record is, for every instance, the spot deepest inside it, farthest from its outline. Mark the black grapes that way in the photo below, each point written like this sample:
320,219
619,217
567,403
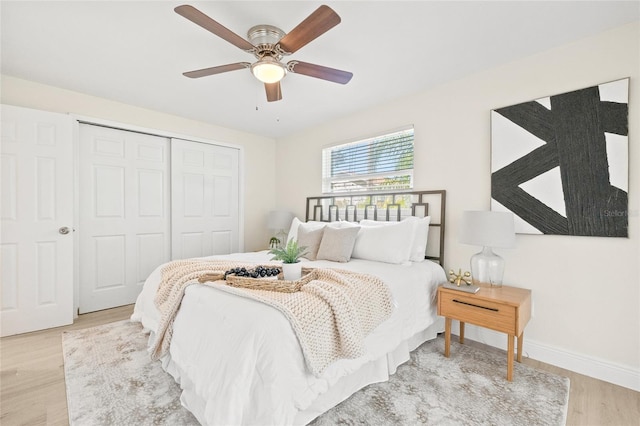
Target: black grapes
257,272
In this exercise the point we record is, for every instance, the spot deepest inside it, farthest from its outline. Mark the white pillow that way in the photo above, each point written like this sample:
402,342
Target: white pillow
337,243
346,224
420,238
389,242
369,222
293,229
419,235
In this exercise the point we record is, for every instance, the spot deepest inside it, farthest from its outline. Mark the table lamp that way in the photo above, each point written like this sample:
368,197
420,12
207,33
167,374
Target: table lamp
489,230
278,221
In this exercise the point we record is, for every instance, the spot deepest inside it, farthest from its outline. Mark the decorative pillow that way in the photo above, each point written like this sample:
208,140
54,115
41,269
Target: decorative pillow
420,234
310,238
295,223
389,242
337,243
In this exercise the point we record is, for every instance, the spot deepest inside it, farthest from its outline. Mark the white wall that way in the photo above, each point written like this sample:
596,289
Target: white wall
585,290
259,175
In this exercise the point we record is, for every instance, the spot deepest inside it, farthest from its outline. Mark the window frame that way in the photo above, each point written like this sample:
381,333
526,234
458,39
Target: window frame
329,181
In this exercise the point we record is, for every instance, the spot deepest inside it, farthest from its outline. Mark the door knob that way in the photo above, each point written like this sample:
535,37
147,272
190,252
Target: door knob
64,230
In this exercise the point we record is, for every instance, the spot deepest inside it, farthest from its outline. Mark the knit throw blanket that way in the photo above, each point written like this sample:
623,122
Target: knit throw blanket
331,315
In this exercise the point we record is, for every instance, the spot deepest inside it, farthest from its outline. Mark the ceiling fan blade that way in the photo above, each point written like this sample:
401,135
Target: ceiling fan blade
199,18
274,91
316,24
216,70
318,71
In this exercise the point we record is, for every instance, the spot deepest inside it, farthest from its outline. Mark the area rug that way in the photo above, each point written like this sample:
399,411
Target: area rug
111,380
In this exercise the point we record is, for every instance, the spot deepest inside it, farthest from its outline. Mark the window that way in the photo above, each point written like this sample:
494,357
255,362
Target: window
383,162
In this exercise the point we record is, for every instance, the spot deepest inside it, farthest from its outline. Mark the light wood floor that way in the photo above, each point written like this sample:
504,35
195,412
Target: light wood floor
33,389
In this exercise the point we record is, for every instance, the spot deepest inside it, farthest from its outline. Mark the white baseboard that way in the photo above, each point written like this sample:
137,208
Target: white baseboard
578,363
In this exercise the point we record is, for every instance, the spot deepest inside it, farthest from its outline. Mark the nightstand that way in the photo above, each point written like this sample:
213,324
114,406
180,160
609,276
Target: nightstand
505,309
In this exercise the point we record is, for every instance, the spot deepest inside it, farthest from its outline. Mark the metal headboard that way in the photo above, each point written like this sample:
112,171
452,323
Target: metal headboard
389,206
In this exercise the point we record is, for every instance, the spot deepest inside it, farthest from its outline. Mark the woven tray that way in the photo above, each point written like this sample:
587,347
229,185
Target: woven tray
281,285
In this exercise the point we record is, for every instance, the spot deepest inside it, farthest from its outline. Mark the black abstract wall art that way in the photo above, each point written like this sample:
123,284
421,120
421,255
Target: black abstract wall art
560,164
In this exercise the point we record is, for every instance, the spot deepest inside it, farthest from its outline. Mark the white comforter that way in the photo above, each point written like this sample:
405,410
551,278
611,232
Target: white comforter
238,361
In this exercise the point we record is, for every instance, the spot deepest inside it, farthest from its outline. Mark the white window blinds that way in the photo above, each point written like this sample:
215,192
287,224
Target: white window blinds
383,162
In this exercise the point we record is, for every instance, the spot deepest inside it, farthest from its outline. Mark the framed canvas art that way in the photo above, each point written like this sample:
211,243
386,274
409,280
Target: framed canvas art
560,163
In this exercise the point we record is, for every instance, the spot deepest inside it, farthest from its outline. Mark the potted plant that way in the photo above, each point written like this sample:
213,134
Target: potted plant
274,243
290,257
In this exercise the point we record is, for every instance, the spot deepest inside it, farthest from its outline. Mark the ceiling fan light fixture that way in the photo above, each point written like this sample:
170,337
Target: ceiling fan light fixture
268,70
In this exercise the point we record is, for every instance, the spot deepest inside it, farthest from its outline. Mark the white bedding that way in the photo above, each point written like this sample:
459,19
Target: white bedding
238,361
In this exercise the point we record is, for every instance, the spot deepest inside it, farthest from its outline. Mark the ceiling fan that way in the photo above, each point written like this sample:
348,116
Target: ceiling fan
269,45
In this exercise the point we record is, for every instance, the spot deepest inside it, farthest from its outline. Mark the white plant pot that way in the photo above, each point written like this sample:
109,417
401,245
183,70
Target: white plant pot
292,271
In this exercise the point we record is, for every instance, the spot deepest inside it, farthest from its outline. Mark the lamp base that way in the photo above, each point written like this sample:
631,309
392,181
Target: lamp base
487,268
282,239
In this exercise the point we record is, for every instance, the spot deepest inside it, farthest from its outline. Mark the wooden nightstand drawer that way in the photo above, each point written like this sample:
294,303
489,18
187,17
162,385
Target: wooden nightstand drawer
485,313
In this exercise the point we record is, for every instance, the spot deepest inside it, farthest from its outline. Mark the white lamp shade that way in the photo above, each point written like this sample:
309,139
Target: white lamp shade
279,219
488,229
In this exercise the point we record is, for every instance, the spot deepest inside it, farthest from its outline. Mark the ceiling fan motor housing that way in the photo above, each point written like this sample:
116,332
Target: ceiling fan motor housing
264,38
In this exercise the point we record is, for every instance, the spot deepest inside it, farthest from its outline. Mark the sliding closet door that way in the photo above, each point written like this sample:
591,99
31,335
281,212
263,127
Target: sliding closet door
124,214
205,199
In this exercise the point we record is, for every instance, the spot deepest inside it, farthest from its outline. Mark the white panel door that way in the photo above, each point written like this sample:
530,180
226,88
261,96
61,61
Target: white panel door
204,199
124,215
36,248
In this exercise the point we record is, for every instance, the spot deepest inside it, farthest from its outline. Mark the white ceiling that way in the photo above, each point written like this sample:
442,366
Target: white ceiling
135,52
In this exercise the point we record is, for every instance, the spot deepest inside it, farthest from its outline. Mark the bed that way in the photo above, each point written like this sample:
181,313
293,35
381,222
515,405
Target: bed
239,361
